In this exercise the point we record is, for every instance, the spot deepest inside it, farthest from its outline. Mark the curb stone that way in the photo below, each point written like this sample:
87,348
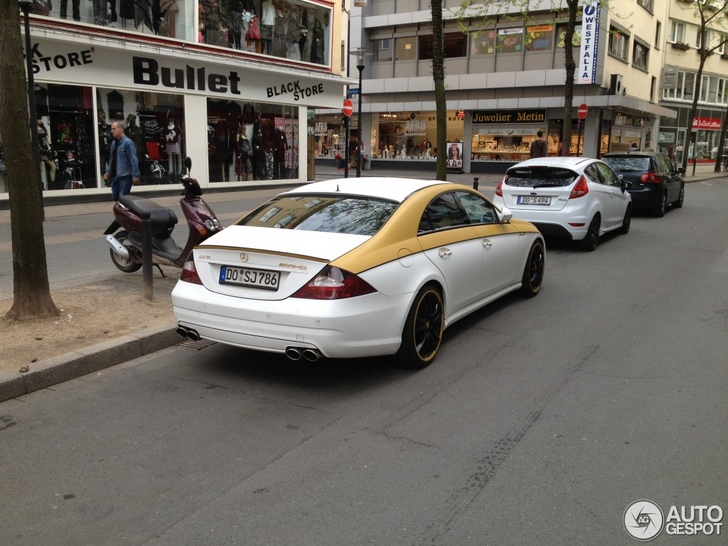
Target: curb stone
58,369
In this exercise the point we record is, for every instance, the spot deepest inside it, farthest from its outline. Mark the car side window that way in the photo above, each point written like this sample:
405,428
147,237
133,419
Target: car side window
663,163
479,210
593,173
610,179
443,212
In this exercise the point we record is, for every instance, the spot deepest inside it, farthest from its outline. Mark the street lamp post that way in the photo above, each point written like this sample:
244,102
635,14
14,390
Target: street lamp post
360,67
25,7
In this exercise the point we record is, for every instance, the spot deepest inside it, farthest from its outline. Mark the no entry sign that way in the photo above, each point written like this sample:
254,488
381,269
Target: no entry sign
582,111
348,108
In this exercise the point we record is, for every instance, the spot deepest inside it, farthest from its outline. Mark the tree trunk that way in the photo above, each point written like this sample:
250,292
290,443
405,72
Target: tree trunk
31,291
438,75
570,66
693,111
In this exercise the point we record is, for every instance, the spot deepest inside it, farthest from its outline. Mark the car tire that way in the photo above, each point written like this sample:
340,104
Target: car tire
681,198
422,334
660,209
533,271
134,262
626,221
591,239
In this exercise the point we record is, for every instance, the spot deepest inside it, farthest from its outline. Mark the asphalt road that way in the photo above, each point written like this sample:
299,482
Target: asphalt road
540,422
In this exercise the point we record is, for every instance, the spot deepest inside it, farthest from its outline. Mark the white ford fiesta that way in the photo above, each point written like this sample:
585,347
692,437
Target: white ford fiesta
574,197
356,267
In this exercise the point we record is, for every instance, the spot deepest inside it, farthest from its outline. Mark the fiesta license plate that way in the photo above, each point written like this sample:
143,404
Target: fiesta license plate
257,278
533,200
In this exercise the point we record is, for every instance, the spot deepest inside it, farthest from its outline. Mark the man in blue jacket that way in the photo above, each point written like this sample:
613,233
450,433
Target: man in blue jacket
123,169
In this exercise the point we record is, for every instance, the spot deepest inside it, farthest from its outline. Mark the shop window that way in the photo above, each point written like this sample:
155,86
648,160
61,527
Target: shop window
482,43
169,18
454,45
405,49
561,33
251,141
510,40
155,122
539,38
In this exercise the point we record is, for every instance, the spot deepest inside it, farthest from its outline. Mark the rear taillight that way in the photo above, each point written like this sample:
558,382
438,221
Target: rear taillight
651,178
334,284
499,189
580,189
189,272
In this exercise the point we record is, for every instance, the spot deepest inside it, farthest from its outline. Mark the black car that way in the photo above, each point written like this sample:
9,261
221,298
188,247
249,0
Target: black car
656,181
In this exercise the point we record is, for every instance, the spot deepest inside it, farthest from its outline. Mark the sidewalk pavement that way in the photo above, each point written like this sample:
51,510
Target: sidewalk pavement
67,366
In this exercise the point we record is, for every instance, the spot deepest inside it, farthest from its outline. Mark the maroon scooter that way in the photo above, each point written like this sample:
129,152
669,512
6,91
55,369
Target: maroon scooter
126,244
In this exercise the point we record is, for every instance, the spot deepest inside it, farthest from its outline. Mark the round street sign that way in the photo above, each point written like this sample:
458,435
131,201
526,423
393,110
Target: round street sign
348,108
582,111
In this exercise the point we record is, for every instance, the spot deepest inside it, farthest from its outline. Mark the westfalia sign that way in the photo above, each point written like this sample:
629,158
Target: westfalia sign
509,116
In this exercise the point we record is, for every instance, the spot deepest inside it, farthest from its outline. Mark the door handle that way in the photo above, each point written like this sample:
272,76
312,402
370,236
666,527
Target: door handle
444,252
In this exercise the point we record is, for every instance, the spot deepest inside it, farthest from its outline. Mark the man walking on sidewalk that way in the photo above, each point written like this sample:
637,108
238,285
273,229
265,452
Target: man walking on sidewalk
123,170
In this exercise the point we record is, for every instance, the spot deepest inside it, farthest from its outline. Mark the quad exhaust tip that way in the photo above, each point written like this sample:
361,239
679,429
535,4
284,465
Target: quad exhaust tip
189,333
296,353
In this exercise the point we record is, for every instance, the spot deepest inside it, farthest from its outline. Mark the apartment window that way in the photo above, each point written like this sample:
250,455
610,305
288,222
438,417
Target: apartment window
709,89
405,49
647,4
721,44
658,34
689,86
618,43
640,55
722,96
677,31
454,44
382,50
699,39
482,43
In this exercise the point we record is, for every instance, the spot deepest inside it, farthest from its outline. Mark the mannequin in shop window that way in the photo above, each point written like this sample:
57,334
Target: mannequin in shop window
47,153
104,140
172,134
76,7
243,155
267,22
280,146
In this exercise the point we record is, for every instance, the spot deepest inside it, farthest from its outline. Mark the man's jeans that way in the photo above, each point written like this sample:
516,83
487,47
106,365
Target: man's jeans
121,186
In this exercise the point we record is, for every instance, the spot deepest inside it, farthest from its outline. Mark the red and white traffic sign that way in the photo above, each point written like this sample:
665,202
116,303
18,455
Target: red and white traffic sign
582,111
348,108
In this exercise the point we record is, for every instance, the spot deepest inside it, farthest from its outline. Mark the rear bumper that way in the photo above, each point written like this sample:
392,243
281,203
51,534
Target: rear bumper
648,197
354,327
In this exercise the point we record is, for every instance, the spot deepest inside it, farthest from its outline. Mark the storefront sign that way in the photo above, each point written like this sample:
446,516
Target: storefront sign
588,55
669,76
58,61
509,116
707,124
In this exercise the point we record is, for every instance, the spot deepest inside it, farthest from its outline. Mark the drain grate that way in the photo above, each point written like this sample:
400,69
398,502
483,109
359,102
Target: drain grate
196,345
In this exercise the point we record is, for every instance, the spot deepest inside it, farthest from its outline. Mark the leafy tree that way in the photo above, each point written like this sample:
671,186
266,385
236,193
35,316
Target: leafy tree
709,14
438,75
31,291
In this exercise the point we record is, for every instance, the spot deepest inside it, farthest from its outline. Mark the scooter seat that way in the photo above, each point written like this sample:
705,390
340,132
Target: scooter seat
158,215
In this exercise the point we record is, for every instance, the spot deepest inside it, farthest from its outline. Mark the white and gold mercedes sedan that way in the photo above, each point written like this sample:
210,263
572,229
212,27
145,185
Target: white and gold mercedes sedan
356,267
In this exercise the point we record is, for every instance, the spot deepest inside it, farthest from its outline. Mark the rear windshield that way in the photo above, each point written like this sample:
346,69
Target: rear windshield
539,177
628,164
345,214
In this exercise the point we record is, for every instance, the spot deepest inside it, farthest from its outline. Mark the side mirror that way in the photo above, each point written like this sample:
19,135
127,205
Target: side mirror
505,215
188,164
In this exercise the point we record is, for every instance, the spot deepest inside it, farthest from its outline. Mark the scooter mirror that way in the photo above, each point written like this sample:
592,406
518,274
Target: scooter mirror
188,164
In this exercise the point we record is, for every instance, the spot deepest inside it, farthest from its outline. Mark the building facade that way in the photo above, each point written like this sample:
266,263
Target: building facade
505,82
232,84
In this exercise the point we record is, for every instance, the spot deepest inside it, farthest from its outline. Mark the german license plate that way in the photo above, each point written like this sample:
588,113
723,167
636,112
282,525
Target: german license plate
257,278
533,200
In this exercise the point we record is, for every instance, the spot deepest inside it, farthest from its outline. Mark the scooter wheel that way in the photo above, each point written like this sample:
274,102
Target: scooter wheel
127,265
